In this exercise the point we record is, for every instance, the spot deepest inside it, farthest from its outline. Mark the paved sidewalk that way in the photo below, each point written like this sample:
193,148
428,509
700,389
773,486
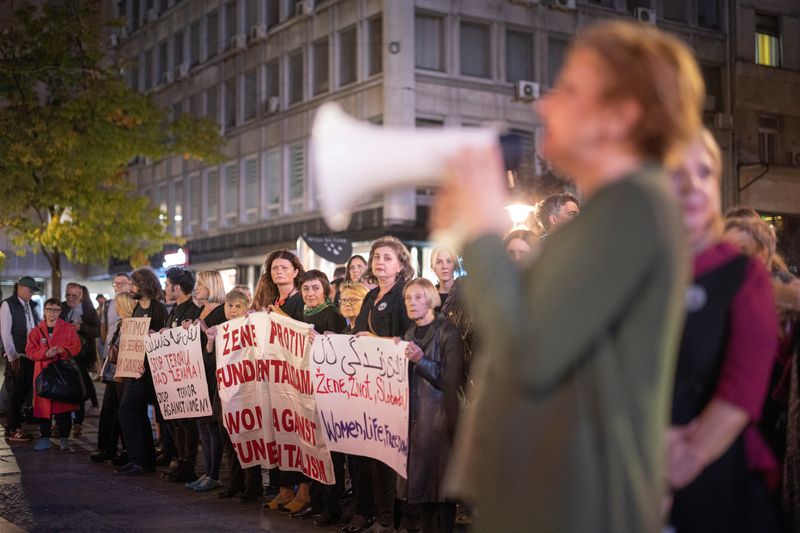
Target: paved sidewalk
65,491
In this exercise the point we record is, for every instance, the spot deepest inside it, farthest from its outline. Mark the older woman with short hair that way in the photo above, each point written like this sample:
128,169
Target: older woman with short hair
436,374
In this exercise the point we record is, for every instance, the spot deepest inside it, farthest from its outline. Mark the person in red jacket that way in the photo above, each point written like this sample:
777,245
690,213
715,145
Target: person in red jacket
51,340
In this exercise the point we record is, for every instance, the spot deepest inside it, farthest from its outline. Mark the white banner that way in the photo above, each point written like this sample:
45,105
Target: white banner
130,358
179,376
361,390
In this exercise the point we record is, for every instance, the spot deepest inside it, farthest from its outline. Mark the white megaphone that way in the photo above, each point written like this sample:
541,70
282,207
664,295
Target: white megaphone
352,160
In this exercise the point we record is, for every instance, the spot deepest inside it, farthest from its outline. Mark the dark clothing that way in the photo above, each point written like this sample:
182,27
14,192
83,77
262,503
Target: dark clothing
387,318
208,430
247,480
19,323
433,407
329,319
18,387
188,310
727,351
63,423
88,332
214,318
108,429
293,306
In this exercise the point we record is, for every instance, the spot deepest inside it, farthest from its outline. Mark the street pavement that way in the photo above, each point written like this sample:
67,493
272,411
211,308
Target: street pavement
64,491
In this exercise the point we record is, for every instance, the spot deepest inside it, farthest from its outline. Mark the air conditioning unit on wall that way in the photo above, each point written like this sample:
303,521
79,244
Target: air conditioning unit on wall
527,90
304,8
645,14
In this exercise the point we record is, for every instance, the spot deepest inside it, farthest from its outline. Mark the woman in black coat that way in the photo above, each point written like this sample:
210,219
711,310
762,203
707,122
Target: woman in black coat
436,373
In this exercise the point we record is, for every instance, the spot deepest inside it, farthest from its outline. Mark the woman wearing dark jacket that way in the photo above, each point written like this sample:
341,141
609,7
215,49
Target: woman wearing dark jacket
139,392
279,285
382,315
436,374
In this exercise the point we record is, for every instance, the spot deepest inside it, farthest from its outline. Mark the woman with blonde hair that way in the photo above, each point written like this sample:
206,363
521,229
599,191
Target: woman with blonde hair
445,266
718,462
351,298
578,347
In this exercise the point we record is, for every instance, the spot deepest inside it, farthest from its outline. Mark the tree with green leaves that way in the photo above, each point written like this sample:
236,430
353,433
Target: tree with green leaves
69,127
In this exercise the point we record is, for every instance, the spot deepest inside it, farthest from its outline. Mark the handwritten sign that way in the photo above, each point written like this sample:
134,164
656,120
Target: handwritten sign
179,377
130,358
266,395
361,390
294,411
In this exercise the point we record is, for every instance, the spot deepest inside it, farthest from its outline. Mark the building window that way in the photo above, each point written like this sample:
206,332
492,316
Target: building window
676,10
768,40
768,139
212,107
273,13
212,34
162,201
297,162
250,13
475,50
633,4
273,80
296,77
251,192
348,56
428,42
122,8
556,52
320,59
231,24
148,69
375,46
519,56
230,103
133,77
194,44
177,208
162,61
250,94
177,110
212,198
133,22
708,14
163,5
178,47
231,194
604,3
273,172
195,196
712,76
196,105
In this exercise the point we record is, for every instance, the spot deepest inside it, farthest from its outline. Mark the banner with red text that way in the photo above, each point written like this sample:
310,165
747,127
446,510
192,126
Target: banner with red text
179,376
130,357
266,395
361,391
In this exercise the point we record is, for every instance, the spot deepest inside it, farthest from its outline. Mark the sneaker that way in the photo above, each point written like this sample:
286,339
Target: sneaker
63,443
19,436
43,444
207,484
193,484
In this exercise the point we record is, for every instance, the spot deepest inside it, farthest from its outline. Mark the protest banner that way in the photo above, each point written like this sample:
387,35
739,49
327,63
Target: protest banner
294,411
179,376
361,391
130,357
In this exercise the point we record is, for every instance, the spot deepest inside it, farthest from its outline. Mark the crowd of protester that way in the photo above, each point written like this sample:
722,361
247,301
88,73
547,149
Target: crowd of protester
730,446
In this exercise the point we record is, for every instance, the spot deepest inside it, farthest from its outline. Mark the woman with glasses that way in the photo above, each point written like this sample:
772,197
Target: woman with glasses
51,340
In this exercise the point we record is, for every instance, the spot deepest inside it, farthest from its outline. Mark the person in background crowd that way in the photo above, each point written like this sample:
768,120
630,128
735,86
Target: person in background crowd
324,500
445,265
246,290
383,315
519,245
356,271
717,458
108,428
555,210
279,285
436,374
213,433
17,319
566,426
101,303
352,296
77,310
109,318
51,340
139,392
179,288
338,278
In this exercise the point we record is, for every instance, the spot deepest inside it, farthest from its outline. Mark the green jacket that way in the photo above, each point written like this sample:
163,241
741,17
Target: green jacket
567,432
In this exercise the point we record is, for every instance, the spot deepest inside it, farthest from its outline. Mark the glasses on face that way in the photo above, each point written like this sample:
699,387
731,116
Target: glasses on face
350,301
52,309
121,283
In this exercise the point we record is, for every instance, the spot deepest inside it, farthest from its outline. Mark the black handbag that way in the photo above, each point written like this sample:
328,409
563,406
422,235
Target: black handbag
61,381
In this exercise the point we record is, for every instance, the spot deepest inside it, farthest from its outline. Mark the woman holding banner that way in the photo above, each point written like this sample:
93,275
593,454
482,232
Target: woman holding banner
383,315
279,285
436,374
